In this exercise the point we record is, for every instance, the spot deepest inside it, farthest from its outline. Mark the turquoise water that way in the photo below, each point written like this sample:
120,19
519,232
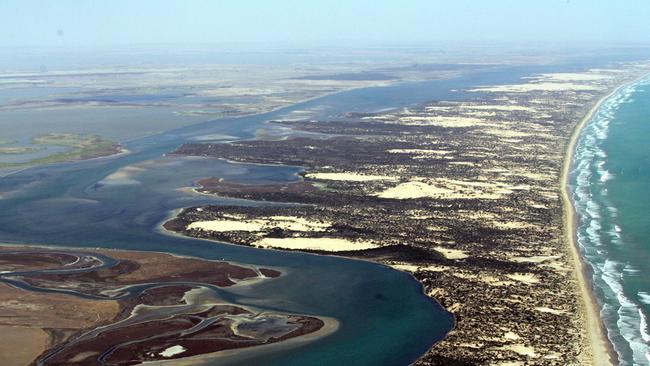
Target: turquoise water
611,192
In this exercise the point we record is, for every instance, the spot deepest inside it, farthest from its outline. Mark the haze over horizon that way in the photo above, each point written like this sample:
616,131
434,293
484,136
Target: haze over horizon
69,23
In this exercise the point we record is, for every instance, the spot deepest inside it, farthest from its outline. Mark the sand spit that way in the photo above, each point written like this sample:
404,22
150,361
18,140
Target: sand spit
123,176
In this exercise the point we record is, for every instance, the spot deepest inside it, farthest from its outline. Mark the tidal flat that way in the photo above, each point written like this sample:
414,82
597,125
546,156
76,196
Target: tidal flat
71,306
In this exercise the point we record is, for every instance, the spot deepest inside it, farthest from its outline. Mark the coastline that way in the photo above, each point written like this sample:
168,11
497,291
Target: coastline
586,342
600,350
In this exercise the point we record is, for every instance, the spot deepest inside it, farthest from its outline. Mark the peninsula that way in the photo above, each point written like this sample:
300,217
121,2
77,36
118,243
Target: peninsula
465,195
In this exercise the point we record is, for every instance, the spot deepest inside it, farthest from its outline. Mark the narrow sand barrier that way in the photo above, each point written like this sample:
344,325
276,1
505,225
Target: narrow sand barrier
598,348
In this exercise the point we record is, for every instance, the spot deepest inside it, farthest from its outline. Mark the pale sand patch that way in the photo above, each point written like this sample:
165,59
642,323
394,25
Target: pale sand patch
230,215
568,76
350,177
511,336
464,163
434,268
451,253
437,228
405,267
478,215
500,108
436,291
448,189
298,223
512,225
439,108
324,244
482,114
414,268
21,345
520,349
83,356
420,151
614,71
440,121
528,278
549,194
226,225
471,345
415,189
172,351
233,91
123,176
292,223
419,215
544,309
530,87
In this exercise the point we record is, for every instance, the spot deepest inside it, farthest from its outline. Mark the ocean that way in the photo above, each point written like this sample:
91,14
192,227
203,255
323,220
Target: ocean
610,188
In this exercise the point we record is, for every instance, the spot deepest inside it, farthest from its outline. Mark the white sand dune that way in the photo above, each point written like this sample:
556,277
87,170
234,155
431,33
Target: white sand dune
292,223
324,244
540,87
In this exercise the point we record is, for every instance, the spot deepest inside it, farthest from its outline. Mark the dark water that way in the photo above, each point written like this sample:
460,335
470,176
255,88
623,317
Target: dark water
611,192
385,319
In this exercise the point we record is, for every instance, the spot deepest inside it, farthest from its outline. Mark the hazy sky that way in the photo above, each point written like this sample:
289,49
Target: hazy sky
286,22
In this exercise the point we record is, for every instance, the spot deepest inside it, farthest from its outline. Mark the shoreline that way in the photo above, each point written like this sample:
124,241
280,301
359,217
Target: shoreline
330,324
601,351
594,347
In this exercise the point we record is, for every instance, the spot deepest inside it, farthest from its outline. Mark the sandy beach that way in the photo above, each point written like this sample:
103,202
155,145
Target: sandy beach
598,348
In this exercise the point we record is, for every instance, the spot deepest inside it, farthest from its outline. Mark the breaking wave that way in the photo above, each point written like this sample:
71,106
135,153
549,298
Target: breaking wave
626,323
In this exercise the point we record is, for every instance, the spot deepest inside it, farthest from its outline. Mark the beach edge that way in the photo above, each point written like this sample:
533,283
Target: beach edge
596,346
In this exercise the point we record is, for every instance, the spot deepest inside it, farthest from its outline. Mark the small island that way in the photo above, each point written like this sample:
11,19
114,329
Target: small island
92,307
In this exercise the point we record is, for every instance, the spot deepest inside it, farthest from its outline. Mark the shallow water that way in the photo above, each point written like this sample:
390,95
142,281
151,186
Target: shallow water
611,192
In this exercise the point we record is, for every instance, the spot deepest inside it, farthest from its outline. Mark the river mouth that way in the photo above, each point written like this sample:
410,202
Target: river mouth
119,203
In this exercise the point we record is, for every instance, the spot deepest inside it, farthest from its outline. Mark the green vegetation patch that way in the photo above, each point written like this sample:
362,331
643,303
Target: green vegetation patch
80,147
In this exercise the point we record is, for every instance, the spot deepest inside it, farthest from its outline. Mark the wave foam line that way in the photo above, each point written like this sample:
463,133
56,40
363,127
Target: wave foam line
627,325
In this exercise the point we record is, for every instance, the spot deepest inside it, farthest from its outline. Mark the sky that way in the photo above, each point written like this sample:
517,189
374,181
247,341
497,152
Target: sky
319,22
